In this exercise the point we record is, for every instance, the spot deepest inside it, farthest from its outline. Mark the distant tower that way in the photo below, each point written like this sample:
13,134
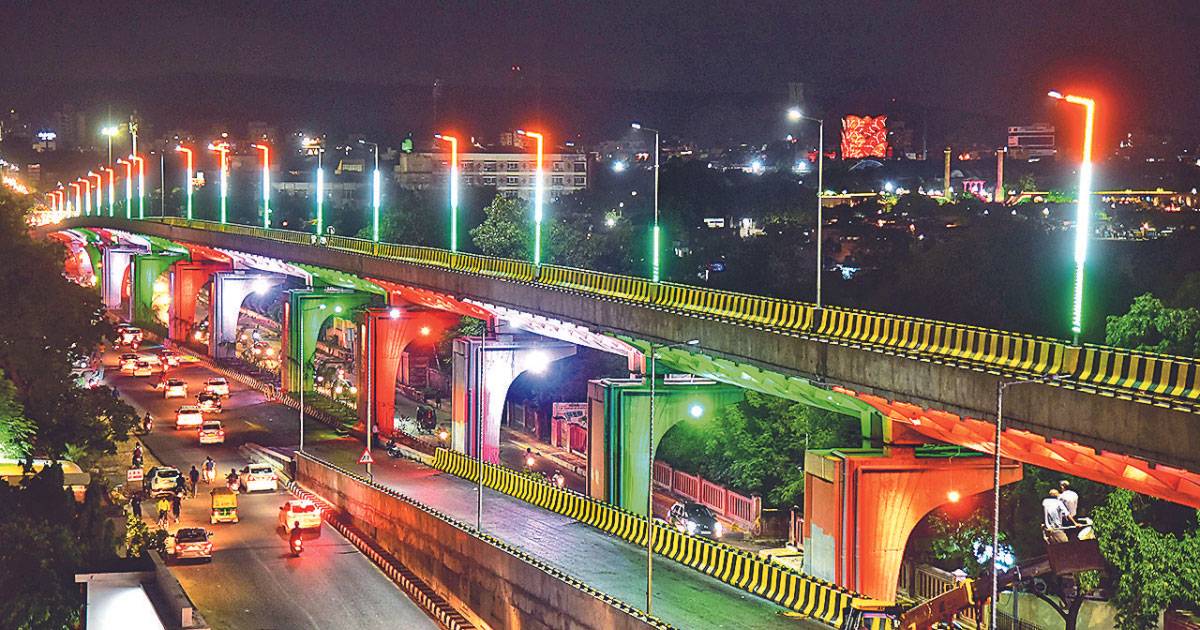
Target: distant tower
437,96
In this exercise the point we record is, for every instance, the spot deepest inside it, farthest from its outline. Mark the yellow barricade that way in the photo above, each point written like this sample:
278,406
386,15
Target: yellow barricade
798,592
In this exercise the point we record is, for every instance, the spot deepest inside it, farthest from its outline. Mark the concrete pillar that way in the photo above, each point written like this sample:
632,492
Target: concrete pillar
146,270
112,278
499,362
187,278
618,435
229,290
384,333
860,505
311,309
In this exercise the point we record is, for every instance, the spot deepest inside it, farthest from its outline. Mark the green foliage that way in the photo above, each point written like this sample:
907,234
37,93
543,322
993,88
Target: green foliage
506,231
45,538
953,538
47,323
1153,326
16,431
1154,569
757,446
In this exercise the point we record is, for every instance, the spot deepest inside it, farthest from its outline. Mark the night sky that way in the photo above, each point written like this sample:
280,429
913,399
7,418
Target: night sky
1142,59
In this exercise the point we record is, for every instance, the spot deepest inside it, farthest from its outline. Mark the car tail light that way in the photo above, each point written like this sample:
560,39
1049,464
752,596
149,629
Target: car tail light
208,547
221,432
273,477
178,548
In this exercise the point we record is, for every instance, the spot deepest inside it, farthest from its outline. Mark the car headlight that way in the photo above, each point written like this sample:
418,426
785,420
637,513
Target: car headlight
691,527
717,529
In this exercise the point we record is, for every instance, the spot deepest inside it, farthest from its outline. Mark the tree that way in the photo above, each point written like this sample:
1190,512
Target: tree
1152,326
1153,569
16,431
506,231
757,446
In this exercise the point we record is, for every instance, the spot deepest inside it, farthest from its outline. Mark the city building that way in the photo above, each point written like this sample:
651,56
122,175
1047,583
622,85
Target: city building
1031,141
513,174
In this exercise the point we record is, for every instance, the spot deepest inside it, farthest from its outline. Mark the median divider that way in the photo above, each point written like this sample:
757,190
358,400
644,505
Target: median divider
789,588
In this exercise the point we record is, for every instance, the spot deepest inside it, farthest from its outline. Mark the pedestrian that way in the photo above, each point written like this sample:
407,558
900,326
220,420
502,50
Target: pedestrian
176,499
135,504
163,506
1068,497
180,486
210,469
1054,514
194,476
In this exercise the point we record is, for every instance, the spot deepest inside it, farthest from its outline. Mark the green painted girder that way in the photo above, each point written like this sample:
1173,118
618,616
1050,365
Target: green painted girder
763,381
146,270
160,245
334,278
305,308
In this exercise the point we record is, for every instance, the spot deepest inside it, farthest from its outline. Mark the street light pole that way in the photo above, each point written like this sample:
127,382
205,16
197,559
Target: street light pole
1000,387
795,114
141,162
128,187
655,234
223,149
99,193
266,184
375,196
1084,216
481,418
112,191
320,193
654,348
453,190
188,153
538,194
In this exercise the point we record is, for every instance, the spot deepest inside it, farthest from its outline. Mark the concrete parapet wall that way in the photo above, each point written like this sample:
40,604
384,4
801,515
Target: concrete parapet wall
493,586
1101,420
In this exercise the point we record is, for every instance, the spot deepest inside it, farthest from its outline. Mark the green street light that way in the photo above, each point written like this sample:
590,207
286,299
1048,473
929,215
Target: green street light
453,190
375,194
656,247
1084,216
187,152
222,147
538,195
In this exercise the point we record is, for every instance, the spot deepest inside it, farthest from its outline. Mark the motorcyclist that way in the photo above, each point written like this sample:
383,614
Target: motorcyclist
232,478
147,422
558,479
294,536
137,455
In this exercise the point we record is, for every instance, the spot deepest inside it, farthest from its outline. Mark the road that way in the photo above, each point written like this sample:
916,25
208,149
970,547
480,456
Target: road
252,582
683,597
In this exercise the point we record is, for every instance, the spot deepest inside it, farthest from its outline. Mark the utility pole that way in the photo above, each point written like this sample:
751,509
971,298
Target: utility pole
947,179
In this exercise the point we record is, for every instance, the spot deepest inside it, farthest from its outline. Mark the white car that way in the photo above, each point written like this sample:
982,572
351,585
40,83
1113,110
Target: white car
175,388
142,368
301,511
258,477
160,480
188,416
211,433
190,543
218,386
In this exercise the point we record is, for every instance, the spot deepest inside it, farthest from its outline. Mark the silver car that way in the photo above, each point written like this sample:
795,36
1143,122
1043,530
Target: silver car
190,543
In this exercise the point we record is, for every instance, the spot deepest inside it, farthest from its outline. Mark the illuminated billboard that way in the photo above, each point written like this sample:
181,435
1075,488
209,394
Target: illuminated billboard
864,136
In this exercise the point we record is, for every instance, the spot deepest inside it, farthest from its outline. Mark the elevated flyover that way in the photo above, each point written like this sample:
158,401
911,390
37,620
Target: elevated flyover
1139,408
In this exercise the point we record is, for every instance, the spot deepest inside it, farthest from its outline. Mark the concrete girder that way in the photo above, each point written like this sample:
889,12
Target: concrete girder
229,290
146,270
310,310
498,362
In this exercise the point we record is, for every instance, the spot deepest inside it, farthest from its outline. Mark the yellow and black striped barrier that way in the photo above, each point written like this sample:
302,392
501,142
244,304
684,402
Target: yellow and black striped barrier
1159,379
793,590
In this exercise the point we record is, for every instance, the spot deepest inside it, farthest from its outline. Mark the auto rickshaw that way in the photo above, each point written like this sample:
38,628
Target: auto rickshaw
224,505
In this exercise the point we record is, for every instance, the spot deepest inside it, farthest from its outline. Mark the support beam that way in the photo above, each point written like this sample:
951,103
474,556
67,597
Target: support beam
861,505
146,270
303,312
187,278
229,290
618,440
116,264
503,358
384,333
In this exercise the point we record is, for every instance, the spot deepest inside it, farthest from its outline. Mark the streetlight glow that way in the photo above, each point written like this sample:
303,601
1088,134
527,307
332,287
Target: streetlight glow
99,193
375,195
655,230
1083,217
128,187
538,192
141,162
187,152
223,148
75,185
266,186
112,175
453,190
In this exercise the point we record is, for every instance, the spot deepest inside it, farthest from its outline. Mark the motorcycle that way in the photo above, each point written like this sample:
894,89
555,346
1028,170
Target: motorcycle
137,460
297,547
232,482
558,480
147,424
393,449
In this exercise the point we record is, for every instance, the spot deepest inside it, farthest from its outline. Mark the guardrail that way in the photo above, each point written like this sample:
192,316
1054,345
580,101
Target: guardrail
740,509
774,582
1162,380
